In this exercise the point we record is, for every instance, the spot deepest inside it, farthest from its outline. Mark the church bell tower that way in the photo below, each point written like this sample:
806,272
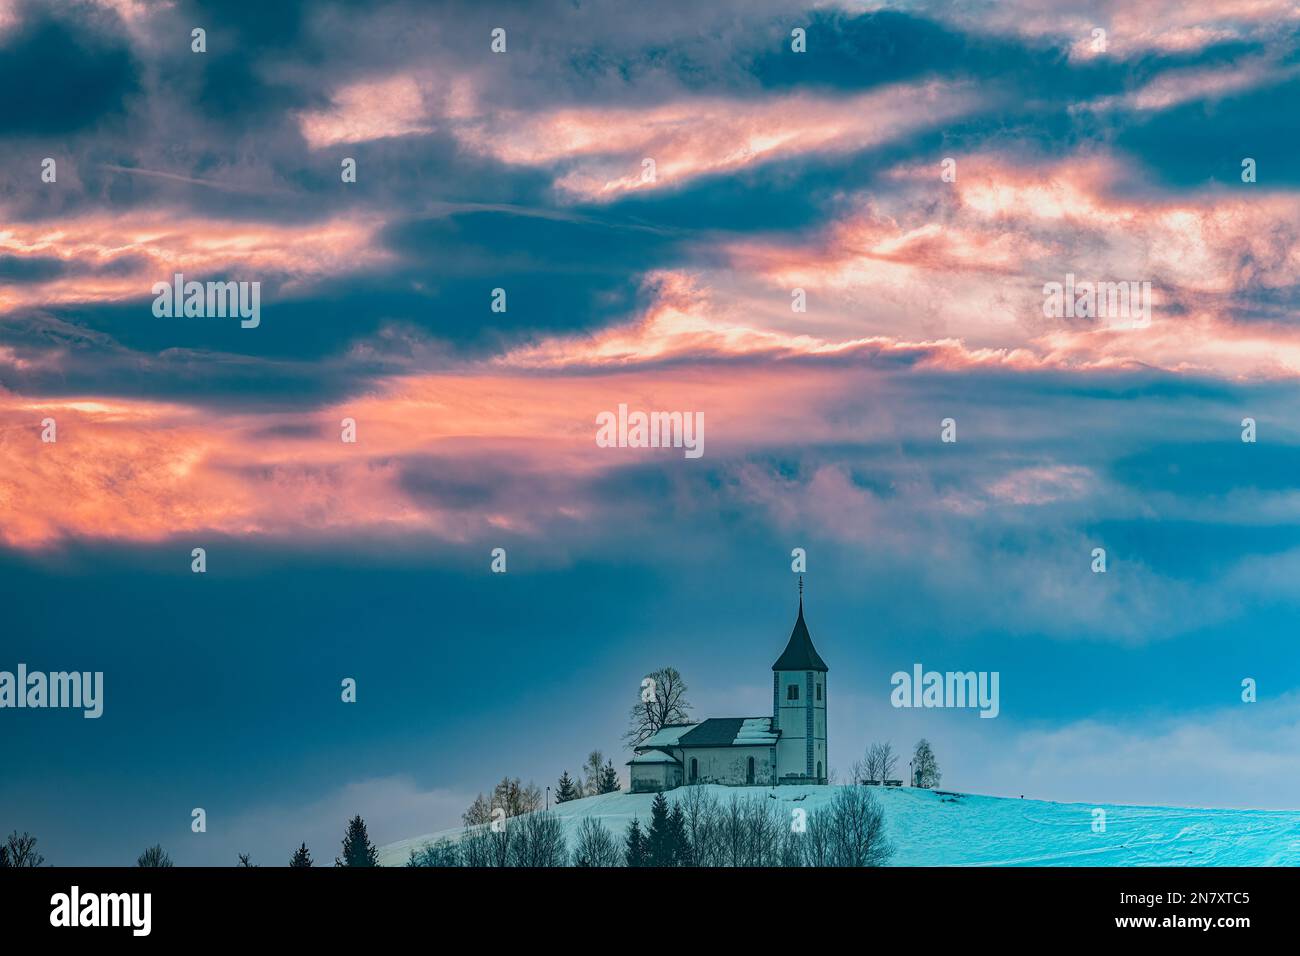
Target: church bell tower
799,708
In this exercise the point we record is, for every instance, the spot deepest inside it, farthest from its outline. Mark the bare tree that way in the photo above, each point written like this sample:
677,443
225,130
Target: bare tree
732,824
857,825
480,847
596,845
791,849
154,856
663,701
764,827
871,764
888,761
511,795
751,832
858,772
702,821
591,772
19,851
881,761
444,853
816,838
488,845
537,840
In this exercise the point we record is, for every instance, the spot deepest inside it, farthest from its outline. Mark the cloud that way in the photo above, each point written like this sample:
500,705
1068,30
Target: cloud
602,150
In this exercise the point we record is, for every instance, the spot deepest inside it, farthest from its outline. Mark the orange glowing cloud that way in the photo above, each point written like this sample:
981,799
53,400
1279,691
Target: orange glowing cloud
959,283
973,266
685,323
158,244
604,150
397,105
1186,85
141,471
1134,29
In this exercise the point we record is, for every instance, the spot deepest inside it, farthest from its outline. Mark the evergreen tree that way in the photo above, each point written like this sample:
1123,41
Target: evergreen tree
682,855
301,857
660,847
565,790
634,848
357,848
609,779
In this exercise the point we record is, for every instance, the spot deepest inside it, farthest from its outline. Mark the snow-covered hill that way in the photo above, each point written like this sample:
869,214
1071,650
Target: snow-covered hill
933,828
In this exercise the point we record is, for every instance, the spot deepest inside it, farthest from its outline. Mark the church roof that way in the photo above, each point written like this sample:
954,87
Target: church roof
653,756
731,732
666,736
757,730
799,654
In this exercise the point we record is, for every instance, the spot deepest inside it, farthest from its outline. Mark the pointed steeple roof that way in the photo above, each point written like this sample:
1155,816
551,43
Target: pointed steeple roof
799,653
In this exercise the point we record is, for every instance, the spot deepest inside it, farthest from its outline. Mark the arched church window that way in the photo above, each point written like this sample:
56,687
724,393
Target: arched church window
695,769
749,772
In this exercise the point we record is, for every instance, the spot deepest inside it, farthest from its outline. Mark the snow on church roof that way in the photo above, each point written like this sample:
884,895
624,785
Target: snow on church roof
730,732
714,732
653,756
756,730
668,735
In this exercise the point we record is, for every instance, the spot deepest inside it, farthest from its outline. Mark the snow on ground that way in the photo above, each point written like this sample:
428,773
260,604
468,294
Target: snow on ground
938,828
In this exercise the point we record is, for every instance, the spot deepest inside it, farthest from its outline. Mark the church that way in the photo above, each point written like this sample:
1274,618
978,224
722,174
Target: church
786,747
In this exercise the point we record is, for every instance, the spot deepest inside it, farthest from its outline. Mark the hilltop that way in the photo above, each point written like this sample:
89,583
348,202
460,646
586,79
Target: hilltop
941,828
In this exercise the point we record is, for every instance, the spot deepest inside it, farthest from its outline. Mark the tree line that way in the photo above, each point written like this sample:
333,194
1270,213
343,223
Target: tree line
698,829
358,850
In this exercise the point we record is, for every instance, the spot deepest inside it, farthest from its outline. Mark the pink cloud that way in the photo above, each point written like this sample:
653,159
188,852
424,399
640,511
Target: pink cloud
601,150
134,470
166,242
395,105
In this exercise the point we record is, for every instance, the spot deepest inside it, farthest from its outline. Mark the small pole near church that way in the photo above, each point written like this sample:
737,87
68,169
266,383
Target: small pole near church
548,798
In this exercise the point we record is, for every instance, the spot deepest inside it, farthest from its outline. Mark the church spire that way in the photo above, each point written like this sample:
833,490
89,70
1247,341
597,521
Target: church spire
799,653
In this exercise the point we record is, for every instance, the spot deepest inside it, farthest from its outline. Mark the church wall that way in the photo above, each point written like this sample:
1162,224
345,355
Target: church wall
728,765
649,778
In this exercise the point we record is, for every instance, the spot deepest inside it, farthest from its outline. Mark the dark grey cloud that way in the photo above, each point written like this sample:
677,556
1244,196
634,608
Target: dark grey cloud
62,70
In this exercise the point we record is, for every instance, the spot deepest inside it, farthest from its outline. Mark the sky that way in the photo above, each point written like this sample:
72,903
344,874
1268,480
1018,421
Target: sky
841,240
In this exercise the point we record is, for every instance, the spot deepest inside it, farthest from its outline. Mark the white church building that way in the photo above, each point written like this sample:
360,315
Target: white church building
787,746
